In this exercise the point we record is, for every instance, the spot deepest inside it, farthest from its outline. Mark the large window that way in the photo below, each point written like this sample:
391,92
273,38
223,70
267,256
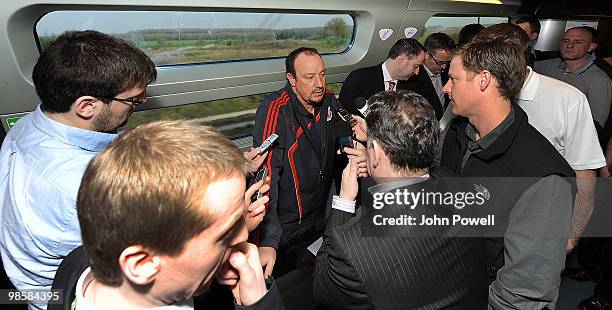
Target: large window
171,38
451,25
196,37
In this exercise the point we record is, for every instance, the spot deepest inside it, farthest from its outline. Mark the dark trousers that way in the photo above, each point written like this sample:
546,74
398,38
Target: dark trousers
595,250
595,256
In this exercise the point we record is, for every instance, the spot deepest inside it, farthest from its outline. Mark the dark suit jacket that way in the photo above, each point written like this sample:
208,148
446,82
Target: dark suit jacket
421,84
363,82
398,269
67,276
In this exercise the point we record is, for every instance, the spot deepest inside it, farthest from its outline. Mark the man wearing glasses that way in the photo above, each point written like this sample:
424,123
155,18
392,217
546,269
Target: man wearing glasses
89,84
433,74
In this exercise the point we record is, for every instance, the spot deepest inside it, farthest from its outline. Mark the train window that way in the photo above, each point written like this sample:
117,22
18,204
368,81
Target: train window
451,25
198,37
489,21
234,117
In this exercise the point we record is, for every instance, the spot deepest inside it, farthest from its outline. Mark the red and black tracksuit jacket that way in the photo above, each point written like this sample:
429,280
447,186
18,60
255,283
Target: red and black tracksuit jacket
300,164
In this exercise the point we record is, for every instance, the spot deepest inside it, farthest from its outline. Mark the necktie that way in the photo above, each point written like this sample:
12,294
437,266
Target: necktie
391,86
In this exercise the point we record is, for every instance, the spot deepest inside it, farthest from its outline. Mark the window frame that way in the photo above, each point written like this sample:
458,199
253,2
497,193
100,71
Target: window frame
347,49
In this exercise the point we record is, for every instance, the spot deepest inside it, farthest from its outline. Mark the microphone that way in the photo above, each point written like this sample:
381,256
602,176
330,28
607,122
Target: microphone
346,116
344,133
362,106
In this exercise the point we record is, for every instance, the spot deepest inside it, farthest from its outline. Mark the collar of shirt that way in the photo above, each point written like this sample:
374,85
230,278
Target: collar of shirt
80,303
304,113
300,107
385,187
530,86
86,139
431,75
386,75
580,69
486,141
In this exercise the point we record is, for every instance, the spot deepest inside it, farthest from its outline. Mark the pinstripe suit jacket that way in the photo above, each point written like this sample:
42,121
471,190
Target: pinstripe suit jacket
397,271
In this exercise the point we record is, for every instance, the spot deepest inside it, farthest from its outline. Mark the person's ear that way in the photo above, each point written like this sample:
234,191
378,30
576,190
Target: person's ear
484,79
139,265
291,79
592,47
402,60
378,152
534,36
85,106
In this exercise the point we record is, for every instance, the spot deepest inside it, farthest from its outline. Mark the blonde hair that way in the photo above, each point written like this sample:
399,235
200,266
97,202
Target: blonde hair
146,189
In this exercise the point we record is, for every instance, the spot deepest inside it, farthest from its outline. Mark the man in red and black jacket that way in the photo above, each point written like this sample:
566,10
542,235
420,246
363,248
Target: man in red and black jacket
300,164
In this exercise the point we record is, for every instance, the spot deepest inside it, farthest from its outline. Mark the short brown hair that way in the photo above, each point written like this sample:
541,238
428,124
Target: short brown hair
507,31
146,189
503,57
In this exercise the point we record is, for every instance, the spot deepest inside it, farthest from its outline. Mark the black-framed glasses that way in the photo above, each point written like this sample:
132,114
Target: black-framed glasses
136,100
438,62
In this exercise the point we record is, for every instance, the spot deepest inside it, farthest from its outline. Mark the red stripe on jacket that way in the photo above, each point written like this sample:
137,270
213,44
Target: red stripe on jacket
269,117
292,164
294,171
271,121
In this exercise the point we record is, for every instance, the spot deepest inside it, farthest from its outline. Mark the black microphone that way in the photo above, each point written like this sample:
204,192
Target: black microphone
346,116
362,106
344,133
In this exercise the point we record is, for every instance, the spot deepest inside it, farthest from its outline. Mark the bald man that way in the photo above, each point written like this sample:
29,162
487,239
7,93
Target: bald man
576,68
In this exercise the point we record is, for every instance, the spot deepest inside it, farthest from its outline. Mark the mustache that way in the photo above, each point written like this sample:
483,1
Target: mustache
318,89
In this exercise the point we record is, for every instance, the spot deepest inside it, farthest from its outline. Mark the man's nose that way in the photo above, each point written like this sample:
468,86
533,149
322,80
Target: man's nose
320,82
446,88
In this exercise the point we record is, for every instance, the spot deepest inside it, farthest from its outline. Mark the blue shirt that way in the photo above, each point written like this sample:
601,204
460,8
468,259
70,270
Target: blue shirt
42,162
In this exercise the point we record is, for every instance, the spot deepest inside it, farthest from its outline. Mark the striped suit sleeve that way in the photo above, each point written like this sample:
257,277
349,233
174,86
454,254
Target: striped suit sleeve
267,122
337,284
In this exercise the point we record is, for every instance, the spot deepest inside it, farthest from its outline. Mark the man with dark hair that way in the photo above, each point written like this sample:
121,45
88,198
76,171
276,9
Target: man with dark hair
156,230
492,138
89,84
468,32
403,61
433,74
531,26
401,268
302,114
576,68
